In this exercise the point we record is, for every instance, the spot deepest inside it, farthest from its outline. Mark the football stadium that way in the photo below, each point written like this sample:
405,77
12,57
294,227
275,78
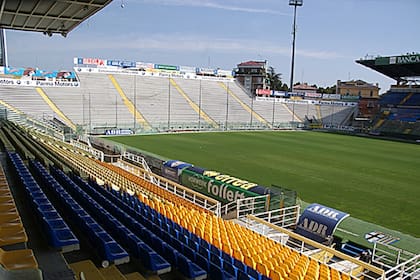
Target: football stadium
134,170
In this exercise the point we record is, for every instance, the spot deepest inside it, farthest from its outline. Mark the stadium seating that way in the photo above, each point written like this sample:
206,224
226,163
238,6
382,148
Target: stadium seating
109,250
11,227
59,234
211,257
207,241
26,100
392,98
414,100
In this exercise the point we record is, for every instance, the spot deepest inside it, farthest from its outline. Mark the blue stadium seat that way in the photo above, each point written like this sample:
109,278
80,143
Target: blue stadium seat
218,273
189,269
59,234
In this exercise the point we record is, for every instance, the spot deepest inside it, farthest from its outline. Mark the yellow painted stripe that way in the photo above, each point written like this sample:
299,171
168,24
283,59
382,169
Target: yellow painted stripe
130,106
194,106
318,112
378,124
408,96
291,113
54,107
10,107
246,107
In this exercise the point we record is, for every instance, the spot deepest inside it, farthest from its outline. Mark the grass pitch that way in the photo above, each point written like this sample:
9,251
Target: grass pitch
374,180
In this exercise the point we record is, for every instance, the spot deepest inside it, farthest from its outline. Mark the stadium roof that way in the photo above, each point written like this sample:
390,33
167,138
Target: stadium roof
47,16
395,67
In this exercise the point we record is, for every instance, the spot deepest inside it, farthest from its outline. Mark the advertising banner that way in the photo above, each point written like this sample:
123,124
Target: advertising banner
30,73
206,71
280,93
319,222
221,191
313,94
37,83
331,96
166,67
261,91
144,66
121,63
404,59
118,132
187,69
171,169
89,61
224,73
350,97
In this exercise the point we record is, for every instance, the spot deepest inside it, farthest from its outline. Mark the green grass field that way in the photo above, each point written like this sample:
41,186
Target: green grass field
374,180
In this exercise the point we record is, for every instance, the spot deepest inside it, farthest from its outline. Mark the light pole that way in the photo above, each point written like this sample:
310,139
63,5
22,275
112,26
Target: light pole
199,108
295,3
135,104
169,103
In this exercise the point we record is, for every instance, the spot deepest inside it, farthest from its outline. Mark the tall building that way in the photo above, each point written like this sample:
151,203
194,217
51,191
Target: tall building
252,75
358,88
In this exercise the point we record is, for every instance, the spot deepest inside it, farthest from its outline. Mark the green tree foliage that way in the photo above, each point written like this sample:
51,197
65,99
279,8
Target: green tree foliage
328,90
274,80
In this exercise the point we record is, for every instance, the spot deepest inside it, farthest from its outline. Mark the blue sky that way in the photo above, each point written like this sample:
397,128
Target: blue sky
331,35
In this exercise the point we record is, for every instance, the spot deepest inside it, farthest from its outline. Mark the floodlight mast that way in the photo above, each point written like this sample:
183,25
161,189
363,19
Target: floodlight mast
295,3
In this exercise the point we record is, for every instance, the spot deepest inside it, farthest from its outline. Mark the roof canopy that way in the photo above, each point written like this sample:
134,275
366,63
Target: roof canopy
395,67
47,16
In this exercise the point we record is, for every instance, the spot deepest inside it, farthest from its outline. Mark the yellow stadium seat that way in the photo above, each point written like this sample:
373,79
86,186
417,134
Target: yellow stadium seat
18,259
13,234
275,275
263,269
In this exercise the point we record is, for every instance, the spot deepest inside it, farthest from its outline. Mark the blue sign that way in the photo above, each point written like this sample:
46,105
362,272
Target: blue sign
118,132
119,63
319,222
173,168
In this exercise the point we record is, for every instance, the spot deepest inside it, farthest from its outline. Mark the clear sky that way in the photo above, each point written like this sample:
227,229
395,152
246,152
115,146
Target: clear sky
331,35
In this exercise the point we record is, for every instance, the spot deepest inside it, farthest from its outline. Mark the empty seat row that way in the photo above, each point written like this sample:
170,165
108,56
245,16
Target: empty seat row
134,226
151,187
59,234
12,232
108,249
177,243
250,253
11,228
128,236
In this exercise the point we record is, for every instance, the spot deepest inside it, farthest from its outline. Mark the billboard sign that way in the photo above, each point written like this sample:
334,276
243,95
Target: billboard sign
222,191
261,91
121,63
405,59
318,222
89,61
166,67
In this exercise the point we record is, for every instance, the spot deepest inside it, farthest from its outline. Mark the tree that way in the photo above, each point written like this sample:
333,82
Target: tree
328,90
274,79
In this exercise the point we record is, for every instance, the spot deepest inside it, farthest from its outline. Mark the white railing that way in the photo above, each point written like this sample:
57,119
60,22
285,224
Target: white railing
285,217
194,197
356,268
408,270
140,160
252,205
398,263
82,146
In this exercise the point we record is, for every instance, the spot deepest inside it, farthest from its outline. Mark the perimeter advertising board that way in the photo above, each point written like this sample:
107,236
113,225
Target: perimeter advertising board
318,222
222,191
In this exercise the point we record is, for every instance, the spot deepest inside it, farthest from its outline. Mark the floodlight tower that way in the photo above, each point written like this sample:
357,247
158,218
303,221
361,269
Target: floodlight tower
295,3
